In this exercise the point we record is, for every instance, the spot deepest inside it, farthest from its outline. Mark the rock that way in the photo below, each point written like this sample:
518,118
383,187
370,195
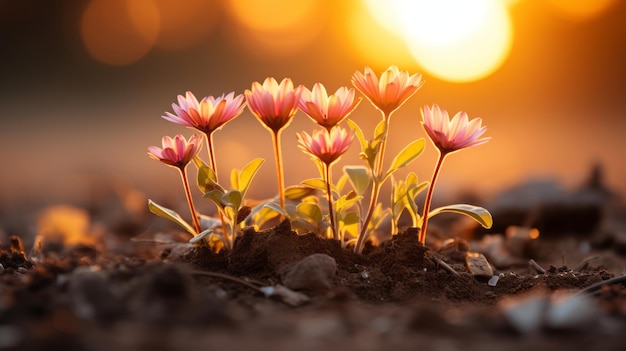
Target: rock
314,274
478,266
539,310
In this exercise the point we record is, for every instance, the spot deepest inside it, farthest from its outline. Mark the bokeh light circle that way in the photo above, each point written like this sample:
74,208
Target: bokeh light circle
454,40
119,32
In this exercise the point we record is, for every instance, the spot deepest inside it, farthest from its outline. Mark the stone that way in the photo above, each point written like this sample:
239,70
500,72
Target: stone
313,274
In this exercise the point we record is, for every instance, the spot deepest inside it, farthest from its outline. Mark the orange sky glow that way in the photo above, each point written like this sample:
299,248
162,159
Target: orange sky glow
87,83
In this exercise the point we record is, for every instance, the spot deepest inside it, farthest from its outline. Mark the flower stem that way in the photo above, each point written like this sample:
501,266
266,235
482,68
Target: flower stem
360,242
331,213
227,237
378,166
376,185
279,168
209,147
192,209
429,197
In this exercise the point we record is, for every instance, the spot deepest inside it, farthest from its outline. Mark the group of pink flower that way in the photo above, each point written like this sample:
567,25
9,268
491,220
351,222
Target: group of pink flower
275,104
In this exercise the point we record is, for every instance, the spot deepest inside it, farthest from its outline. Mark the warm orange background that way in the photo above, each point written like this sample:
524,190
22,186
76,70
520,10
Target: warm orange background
555,107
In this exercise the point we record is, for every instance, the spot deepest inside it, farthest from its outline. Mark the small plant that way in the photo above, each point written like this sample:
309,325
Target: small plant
229,202
177,152
207,116
450,136
387,94
349,220
275,105
325,148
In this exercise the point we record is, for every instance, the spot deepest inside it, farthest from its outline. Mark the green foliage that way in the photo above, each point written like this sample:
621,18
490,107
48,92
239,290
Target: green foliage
229,203
369,149
359,177
406,156
403,198
240,180
479,214
172,215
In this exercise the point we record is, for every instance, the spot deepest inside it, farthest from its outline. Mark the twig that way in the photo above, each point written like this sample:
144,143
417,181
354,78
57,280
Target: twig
595,288
584,263
445,266
536,266
228,277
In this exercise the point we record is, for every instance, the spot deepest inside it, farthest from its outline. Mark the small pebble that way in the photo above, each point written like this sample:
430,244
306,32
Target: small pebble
494,280
478,265
314,273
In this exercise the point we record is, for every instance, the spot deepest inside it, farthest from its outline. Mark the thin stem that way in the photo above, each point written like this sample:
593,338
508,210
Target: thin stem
192,209
429,197
376,185
329,194
279,168
228,238
378,166
209,147
360,242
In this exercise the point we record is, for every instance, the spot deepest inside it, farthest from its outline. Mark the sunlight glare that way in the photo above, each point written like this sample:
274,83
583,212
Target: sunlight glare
379,44
582,9
454,40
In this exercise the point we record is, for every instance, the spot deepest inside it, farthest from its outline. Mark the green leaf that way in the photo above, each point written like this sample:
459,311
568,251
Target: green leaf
216,197
350,218
297,192
479,214
276,208
358,132
207,179
315,183
310,210
347,201
232,199
359,178
247,173
380,132
198,161
171,215
341,183
261,215
406,155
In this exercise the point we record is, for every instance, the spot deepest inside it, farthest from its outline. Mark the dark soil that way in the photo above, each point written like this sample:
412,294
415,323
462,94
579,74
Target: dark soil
396,296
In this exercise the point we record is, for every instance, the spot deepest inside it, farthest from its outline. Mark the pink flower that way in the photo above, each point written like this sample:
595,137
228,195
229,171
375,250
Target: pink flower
324,145
391,91
272,103
177,151
328,111
207,115
452,135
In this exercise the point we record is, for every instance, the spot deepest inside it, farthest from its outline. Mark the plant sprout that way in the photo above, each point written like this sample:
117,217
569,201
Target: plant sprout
207,116
274,105
450,136
177,152
229,202
387,94
326,147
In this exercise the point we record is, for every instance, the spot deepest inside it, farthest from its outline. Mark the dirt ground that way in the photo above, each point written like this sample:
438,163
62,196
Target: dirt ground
466,290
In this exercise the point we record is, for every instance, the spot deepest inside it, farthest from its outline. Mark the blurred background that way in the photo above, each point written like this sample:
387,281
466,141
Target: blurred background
84,84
